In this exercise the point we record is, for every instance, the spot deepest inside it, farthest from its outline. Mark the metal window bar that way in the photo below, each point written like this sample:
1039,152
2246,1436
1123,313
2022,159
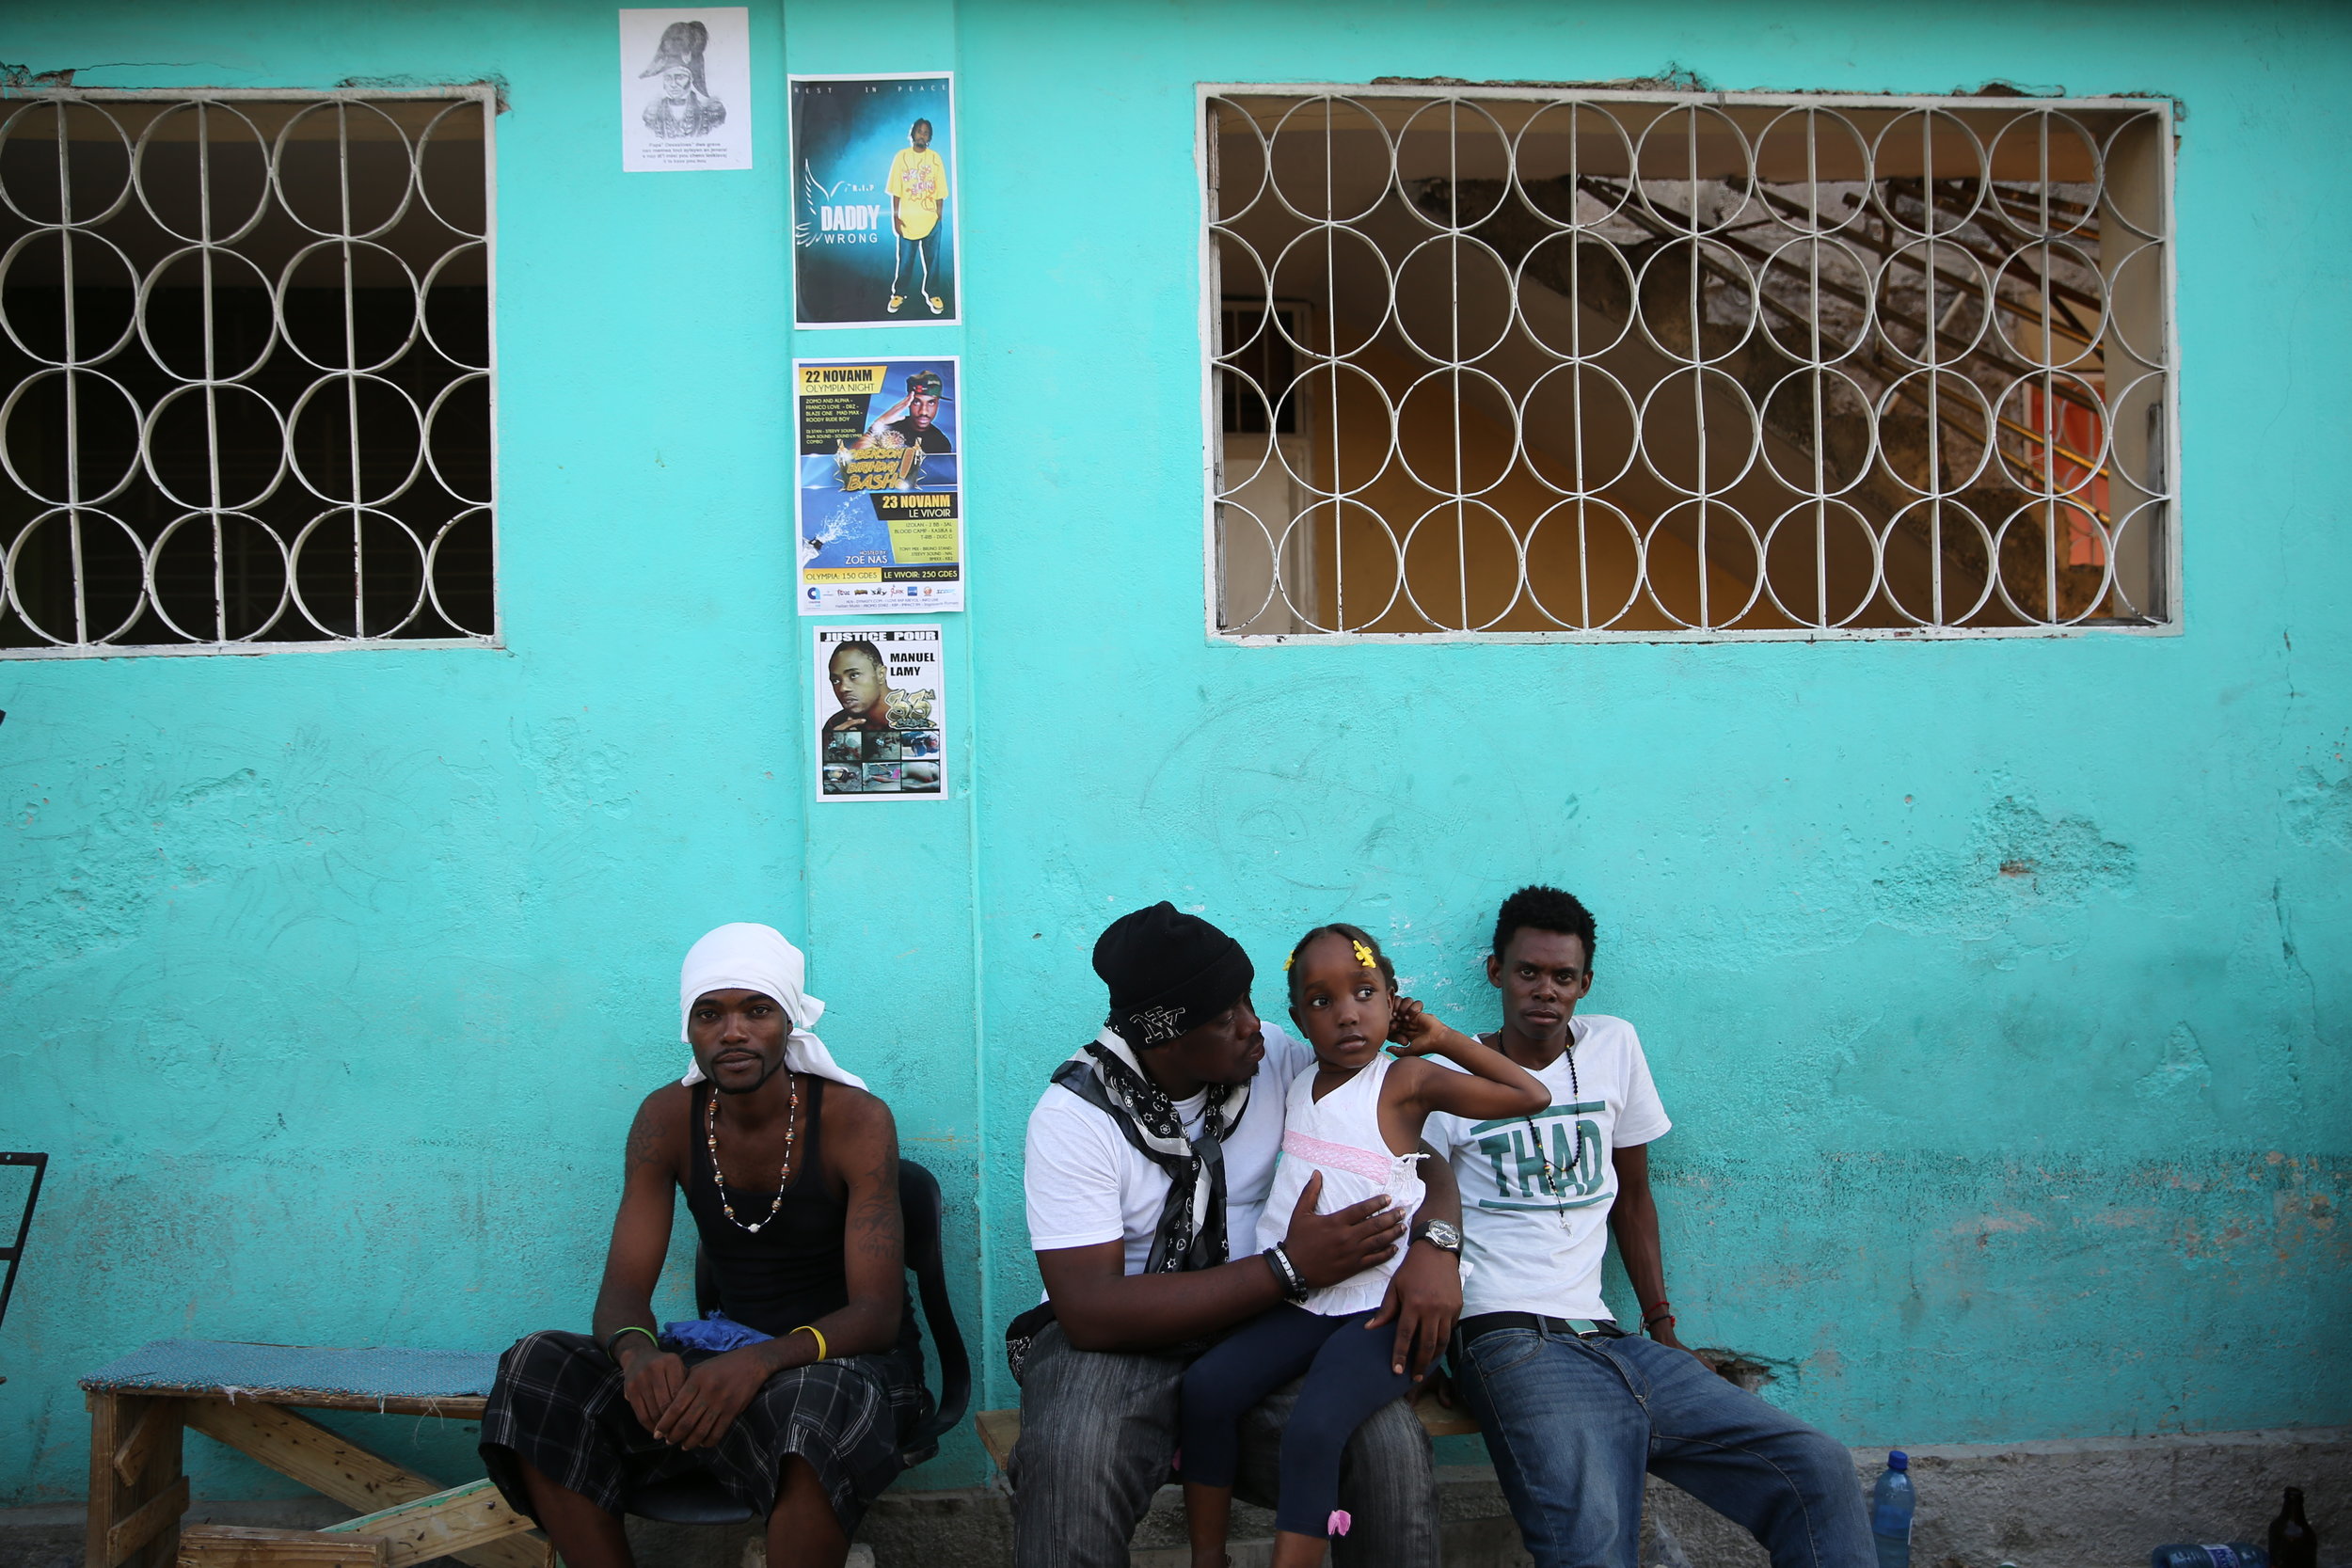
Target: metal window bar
13,1254
249,374
1600,364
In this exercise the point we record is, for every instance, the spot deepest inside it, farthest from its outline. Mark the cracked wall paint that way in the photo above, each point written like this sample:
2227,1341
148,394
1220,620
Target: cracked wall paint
1997,989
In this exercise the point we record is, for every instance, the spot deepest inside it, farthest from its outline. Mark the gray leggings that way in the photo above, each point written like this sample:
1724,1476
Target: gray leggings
1098,1430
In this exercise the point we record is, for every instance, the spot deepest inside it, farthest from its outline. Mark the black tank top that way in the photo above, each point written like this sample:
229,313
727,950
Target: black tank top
793,1270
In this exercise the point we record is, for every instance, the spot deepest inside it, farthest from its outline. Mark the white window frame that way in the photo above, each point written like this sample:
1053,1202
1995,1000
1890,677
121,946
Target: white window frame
491,102
2169,566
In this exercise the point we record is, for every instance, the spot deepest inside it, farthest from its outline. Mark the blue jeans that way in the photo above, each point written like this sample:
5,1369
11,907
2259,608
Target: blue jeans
1572,1424
924,252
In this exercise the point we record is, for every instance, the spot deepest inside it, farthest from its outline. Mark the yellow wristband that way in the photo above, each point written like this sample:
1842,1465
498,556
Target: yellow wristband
817,1333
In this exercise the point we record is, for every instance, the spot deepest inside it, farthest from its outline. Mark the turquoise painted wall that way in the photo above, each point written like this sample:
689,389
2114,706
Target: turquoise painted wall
331,978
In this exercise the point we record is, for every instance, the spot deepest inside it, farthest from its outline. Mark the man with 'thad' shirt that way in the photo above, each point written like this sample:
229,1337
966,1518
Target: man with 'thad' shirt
1574,1409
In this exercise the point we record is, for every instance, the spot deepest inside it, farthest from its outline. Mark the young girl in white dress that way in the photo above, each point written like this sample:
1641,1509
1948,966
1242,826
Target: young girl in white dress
1355,1121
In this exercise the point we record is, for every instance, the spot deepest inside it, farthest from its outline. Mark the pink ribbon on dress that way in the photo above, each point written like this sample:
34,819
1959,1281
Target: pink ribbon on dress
1359,1162
1338,1522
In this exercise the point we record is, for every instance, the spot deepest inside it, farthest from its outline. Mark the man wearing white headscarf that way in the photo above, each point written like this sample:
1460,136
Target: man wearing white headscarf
795,1393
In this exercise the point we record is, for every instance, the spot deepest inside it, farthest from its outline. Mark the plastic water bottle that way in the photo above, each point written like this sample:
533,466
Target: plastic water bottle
2232,1554
1891,1501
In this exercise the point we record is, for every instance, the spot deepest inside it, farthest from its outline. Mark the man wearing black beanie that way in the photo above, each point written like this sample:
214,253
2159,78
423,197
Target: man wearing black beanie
1155,1143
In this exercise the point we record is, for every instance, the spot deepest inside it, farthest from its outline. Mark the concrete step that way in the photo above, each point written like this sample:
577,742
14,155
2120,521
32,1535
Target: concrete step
755,1555
2096,1502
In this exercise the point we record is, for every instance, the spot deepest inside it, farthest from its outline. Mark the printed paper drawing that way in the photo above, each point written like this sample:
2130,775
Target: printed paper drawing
874,200
878,495
881,707
685,90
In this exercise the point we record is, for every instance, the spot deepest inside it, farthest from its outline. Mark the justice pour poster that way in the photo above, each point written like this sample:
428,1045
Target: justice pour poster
881,698
875,195
878,490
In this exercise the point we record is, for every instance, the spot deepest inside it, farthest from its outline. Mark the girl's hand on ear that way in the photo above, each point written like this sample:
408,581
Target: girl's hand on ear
1411,1031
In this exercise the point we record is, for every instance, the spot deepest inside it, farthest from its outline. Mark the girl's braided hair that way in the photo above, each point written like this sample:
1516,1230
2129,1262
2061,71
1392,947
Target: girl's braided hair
1356,934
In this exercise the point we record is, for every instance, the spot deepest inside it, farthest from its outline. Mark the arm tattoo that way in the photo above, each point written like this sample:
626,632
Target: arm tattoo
879,1221
877,1226
645,1143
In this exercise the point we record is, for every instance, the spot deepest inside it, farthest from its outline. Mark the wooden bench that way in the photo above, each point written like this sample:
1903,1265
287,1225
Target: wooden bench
246,1396
1000,1430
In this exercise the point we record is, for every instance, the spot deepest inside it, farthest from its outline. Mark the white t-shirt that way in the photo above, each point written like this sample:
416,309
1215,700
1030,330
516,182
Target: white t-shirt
1086,1184
1537,1249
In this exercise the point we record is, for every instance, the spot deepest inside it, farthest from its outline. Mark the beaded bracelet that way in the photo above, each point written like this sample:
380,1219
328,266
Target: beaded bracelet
1286,1274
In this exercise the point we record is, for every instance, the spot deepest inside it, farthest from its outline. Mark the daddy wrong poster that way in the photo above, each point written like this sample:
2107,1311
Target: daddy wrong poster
878,492
874,200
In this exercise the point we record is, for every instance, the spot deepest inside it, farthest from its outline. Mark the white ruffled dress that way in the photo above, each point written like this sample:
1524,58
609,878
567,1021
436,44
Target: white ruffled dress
1340,1136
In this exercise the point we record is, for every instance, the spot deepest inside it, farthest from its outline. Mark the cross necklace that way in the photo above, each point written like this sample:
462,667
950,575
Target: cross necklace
1555,1182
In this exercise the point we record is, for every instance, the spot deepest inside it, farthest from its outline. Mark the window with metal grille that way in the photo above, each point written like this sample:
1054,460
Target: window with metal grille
1612,364
247,363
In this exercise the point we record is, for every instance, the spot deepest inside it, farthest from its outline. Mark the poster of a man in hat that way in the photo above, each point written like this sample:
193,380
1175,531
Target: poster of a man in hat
879,492
684,89
685,106
915,418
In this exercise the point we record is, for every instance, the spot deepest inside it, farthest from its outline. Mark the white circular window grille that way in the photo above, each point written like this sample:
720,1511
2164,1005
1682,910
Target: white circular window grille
1493,364
245,394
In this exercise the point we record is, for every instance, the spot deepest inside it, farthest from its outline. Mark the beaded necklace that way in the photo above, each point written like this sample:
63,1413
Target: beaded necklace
784,1177
1554,1181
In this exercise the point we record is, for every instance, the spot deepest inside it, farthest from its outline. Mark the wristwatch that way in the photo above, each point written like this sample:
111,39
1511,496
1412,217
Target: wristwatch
1445,1238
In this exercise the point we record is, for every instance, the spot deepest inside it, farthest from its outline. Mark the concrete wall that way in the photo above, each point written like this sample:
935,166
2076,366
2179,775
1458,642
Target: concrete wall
1998,989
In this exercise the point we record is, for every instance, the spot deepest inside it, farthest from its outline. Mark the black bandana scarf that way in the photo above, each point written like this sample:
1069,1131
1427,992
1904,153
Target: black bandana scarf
1191,1233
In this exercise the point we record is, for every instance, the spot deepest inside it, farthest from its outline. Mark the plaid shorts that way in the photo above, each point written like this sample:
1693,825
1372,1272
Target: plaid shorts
558,1404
